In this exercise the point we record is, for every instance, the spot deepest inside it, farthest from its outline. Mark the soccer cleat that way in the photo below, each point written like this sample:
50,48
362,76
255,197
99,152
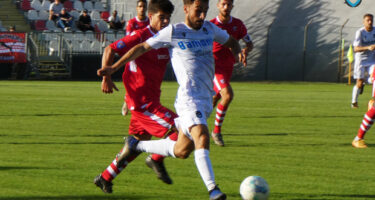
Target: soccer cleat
128,150
216,194
359,144
106,186
124,109
355,105
159,169
218,139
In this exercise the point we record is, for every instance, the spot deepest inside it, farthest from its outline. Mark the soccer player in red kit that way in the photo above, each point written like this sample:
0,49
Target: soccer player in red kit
141,20
224,62
142,79
369,117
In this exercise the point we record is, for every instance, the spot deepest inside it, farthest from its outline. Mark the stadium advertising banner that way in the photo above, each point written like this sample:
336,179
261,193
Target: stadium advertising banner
12,47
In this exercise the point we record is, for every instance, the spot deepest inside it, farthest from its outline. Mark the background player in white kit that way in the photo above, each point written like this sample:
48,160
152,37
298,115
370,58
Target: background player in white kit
364,46
190,45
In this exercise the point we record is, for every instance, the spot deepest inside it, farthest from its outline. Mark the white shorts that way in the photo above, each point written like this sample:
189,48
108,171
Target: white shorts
362,71
190,117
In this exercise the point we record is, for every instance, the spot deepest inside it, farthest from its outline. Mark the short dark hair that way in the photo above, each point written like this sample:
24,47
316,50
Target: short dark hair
220,0
144,1
368,15
160,5
188,2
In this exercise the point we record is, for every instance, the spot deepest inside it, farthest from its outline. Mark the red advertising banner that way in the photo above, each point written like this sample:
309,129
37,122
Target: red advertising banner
12,47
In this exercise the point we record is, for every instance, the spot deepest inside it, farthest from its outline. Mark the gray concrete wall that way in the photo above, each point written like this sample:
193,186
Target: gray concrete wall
277,28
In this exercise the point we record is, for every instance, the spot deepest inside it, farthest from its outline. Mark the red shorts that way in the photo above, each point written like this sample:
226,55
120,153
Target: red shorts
221,80
154,120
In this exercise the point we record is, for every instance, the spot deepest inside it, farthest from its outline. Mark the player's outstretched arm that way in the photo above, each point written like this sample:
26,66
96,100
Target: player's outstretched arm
364,48
132,54
236,50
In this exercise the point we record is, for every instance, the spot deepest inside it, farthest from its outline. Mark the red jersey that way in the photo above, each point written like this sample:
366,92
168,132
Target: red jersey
136,24
142,77
223,56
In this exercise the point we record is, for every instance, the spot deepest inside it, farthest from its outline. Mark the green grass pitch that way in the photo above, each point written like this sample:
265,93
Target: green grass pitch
55,137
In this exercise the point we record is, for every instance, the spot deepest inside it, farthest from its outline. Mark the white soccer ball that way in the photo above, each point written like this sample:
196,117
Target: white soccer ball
254,188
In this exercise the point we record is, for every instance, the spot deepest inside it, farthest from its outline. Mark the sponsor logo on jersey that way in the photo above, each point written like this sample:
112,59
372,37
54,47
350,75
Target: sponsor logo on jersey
195,44
353,3
198,114
120,45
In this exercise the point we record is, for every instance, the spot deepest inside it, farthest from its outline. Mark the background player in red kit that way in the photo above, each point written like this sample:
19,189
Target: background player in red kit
142,79
224,62
369,117
141,20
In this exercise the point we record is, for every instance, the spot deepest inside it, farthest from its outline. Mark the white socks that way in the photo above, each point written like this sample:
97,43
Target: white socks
203,162
355,94
164,147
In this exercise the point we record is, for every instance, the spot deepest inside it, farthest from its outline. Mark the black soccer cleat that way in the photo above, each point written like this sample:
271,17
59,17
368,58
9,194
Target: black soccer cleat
106,186
159,169
216,194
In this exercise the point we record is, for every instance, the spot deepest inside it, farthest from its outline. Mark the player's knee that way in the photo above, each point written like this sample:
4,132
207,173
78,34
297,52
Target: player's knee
182,154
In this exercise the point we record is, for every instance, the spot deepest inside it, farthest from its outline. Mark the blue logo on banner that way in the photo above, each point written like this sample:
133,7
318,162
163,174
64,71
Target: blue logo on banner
351,4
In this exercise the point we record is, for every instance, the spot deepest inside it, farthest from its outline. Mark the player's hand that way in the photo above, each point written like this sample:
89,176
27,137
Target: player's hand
105,71
108,85
244,53
371,48
242,58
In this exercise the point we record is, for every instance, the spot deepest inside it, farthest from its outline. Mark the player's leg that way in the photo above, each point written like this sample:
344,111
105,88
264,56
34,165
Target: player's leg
359,75
158,121
368,119
201,139
221,85
104,180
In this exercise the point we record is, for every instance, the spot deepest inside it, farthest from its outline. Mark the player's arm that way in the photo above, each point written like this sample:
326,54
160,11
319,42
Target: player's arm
132,54
364,48
249,47
107,60
236,49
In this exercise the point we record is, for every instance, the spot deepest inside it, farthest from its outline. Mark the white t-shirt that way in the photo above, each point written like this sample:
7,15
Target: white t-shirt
192,60
364,38
112,19
56,8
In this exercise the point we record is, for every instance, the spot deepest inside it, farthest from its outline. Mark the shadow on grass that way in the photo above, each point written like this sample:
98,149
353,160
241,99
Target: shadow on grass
67,135
54,143
59,114
91,197
291,196
302,116
259,134
3,168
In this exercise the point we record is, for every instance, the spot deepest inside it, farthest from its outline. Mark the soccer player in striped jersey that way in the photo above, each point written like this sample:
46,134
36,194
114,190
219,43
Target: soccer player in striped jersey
142,80
364,48
139,22
190,46
224,62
